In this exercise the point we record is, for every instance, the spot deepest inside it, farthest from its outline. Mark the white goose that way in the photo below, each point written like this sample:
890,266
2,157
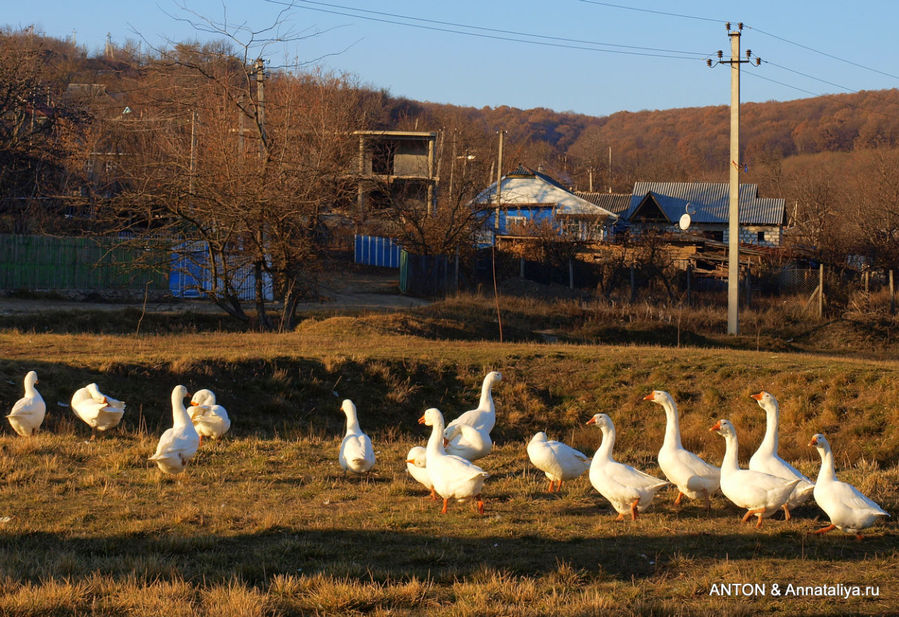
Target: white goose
178,444
844,504
557,460
210,420
760,493
101,412
484,416
356,452
417,466
693,476
453,476
766,459
28,412
627,489
467,441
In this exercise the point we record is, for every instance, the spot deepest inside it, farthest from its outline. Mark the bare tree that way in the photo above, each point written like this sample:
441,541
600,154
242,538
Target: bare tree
239,166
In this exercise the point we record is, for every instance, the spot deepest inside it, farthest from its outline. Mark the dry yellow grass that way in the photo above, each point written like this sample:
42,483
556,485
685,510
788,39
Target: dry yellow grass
264,523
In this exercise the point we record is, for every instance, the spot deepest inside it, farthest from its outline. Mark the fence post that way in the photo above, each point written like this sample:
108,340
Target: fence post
633,284
521,267
892,296
570,274
820,291
689,276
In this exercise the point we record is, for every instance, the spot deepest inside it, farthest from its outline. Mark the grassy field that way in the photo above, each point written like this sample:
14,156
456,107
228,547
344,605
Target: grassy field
264,523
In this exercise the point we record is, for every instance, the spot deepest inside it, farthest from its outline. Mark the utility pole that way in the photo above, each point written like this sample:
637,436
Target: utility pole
259,68
499,181
733,211
193,153
610,169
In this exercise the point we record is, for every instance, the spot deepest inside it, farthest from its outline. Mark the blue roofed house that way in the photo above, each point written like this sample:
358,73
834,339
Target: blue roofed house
660,205
528,196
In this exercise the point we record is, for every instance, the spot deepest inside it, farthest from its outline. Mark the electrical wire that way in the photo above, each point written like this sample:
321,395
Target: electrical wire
833,57
513,36
654,12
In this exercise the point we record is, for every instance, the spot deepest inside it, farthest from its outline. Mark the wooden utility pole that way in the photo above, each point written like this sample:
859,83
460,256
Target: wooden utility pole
733,228
260,104
499,182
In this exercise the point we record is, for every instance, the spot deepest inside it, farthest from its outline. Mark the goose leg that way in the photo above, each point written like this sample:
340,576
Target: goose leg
445,500
559,486
550,489
480,504
678,499
830,527
620,516
434,495
634,509
200,443
746,516
786,512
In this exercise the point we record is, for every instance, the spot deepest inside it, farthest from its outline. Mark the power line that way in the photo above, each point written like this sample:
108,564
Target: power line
823,53
561,42
823,81
654,12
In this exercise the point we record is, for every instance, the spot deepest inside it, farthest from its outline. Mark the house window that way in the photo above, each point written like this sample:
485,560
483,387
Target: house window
760,236
515,223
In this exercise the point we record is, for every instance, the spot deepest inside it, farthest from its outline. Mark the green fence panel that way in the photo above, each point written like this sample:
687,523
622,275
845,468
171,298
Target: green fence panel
42,263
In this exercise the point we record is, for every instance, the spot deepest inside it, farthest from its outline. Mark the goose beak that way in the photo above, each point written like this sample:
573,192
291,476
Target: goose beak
445,442
650,397
195,403
421,420
591,421
813,442
411,461
758,396
717,426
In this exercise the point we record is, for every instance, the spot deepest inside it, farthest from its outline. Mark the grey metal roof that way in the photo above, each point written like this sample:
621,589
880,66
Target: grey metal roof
613,202
708,202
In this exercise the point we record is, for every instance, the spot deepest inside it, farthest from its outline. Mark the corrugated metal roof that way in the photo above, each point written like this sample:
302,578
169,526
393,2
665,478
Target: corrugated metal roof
613,202
708,201
527,187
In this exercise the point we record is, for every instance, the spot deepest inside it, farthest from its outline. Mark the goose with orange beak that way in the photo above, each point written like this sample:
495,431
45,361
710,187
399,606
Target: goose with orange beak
693,476
453,477
558,461
629,490
848,509
767,460
209,418
760,493
417,466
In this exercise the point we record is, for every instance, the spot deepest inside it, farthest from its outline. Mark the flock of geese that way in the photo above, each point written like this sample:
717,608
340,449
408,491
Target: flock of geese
446,467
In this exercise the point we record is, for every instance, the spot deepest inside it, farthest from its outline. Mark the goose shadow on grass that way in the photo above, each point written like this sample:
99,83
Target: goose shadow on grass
399,555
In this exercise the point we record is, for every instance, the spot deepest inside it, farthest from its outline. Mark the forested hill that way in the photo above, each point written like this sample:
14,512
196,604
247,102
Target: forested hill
675,144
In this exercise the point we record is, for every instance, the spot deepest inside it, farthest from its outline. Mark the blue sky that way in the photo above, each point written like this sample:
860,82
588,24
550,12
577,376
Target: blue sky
653,59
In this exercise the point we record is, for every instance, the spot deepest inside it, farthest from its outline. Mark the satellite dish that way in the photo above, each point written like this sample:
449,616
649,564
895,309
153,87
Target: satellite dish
684,222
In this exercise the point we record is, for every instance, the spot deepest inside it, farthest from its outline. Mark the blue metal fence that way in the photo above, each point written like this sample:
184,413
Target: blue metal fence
375,251
191,276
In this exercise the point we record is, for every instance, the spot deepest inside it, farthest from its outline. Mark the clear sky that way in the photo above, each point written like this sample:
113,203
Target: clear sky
588,56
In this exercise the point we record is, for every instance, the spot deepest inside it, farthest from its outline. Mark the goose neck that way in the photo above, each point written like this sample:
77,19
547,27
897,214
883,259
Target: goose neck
435,441
604,451
826,473
352,422
180,417
672,425
486,402
731,450
770,441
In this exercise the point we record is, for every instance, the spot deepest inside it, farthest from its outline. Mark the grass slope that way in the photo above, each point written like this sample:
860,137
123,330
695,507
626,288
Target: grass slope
264,523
